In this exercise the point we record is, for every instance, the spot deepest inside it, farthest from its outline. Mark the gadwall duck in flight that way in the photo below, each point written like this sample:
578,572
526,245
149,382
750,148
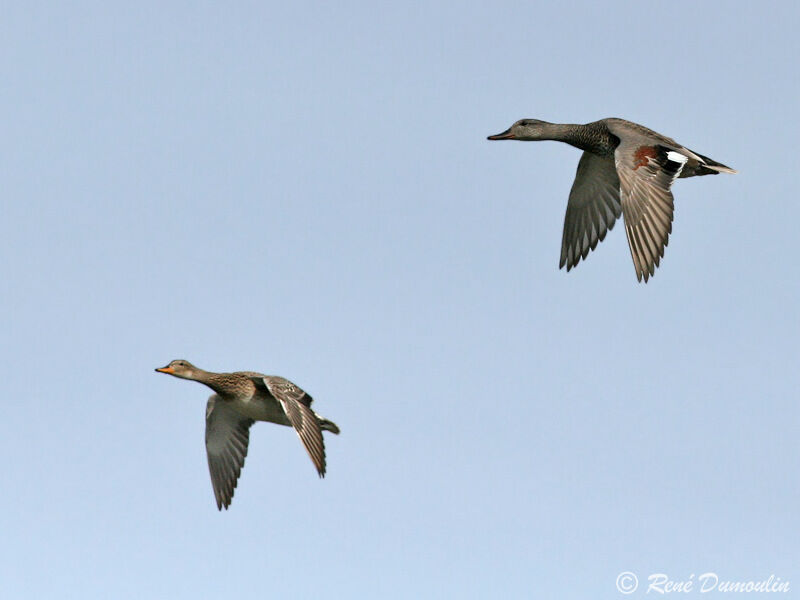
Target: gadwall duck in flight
239,400
625,169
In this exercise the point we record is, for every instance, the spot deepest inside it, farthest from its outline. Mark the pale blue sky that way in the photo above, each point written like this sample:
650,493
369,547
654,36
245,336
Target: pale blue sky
307,190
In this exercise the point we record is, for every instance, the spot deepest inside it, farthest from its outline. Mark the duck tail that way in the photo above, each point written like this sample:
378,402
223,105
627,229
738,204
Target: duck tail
712,167
327,425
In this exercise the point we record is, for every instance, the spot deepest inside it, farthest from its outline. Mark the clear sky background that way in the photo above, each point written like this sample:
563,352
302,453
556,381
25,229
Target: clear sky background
306,189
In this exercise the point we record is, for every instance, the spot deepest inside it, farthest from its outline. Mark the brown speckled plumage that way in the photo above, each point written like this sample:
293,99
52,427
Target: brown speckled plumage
240,399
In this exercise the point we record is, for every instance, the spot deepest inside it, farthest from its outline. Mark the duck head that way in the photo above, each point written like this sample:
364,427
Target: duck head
180,368
524,129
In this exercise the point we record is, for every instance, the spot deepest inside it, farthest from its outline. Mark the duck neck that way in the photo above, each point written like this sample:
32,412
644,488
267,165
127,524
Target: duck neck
591,137
212,380
227,385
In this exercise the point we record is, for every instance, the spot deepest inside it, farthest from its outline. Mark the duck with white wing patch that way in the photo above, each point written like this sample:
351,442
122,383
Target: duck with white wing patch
626,169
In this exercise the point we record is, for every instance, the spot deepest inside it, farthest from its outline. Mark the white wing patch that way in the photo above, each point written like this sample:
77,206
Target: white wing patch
677,157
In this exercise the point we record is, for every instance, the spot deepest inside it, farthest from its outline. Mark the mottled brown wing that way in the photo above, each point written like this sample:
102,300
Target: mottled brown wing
593,208
295,403
646,174
227,438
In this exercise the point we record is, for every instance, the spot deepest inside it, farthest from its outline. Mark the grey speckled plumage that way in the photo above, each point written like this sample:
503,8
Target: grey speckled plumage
626,169
239,400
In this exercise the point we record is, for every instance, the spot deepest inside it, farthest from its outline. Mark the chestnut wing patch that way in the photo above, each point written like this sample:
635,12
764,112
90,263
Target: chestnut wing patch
646,174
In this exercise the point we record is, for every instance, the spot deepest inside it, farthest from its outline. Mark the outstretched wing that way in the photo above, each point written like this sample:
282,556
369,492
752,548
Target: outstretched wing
296,404
646,174
227,437
593,208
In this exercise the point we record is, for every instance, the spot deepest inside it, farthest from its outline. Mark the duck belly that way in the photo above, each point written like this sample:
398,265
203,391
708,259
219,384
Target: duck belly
261,409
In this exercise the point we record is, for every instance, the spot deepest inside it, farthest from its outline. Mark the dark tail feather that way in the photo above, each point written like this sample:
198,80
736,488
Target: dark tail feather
712,167
327,425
